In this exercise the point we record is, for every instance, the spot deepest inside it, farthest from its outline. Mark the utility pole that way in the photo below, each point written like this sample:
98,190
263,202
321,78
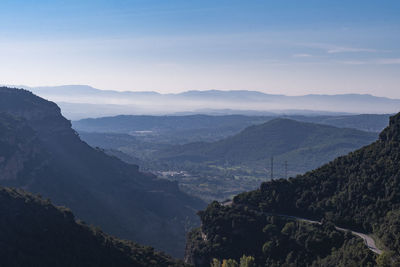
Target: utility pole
272,168
285,169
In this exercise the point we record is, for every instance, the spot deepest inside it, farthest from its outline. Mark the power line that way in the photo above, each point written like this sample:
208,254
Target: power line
285,169
272,168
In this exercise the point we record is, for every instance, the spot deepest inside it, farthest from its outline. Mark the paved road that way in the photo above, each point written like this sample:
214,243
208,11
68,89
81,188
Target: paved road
368,240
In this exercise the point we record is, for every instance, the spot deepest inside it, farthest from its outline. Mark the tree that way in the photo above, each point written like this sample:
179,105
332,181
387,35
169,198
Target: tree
247,261
230,263
215,263
385,259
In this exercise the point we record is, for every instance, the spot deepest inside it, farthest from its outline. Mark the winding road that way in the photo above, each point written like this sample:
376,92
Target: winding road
368,240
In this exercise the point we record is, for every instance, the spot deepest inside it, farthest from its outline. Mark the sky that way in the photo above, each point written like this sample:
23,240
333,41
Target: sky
278,47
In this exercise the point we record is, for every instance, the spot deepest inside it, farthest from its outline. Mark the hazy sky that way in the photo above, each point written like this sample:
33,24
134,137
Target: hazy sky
287,47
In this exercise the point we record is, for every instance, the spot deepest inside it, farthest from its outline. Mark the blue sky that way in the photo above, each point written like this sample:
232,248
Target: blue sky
287,47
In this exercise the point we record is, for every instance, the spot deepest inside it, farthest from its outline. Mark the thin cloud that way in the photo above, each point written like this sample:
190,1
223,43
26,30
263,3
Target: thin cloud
335,49
301,55
353,62
350,50
379,61
388,61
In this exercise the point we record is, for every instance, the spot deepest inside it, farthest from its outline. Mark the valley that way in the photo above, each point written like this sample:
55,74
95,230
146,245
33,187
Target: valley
149,184
224,156
230,133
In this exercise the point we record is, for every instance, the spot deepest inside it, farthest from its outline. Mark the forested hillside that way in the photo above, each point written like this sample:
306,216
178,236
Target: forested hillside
33,232
304,146
42,154
231,232
360,191
363,122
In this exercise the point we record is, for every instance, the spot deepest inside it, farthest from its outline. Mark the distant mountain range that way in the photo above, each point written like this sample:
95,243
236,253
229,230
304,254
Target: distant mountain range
108,103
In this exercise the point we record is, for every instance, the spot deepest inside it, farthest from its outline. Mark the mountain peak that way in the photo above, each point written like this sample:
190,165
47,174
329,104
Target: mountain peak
392,132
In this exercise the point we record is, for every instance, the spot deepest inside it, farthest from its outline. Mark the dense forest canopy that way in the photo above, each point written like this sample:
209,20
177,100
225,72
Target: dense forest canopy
360,191
33,232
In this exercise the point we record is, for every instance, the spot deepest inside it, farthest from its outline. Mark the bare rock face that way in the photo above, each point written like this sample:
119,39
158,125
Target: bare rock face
392,133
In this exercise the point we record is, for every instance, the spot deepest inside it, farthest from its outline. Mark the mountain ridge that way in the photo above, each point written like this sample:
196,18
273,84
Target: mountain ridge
280,138
134,205
213,91
131,102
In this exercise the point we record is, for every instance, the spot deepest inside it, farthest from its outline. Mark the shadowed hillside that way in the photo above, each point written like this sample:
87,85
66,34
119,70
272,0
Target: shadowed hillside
42,154
33,232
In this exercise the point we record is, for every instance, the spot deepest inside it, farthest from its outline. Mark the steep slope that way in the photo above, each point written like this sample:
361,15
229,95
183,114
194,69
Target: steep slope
33,232
20,150
50,159
355,190
360,191
304,145
231,232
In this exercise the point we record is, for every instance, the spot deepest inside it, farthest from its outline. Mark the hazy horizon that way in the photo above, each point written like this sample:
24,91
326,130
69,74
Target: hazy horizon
273,47
24,86
82,101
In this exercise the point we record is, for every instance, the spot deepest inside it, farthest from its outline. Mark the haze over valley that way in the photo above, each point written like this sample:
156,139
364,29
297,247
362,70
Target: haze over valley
228,155
216,157
205,133
80,101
